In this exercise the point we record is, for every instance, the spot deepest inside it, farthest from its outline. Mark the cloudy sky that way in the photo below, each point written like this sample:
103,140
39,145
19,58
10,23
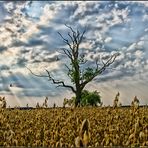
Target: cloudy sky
29,38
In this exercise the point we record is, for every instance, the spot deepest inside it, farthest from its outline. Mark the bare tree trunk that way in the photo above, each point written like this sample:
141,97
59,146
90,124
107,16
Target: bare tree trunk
78,96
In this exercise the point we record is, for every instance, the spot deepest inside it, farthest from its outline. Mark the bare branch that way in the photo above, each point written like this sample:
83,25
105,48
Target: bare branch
70,29
81,37
102,62
108,63
65,41
67,68
78,34
36,74
67,52
75,39
97,64
84,62
71,38
99,71
60,83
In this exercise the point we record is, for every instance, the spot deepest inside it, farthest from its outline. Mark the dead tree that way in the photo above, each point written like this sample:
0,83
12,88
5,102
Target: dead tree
80,78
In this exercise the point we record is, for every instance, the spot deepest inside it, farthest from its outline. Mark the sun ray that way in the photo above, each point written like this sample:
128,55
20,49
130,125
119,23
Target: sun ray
5,86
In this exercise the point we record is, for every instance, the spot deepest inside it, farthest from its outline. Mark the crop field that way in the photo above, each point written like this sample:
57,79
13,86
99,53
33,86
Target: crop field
68,127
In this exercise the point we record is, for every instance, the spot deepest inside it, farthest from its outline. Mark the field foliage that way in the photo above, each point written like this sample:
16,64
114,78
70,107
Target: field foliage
67,127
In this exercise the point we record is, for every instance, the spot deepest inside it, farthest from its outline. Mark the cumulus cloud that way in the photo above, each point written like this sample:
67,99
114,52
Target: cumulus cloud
28,36
108,39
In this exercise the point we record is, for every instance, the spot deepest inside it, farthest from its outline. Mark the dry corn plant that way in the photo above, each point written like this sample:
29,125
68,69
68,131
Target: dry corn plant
84,134
116,102
2,102
135,103
68,127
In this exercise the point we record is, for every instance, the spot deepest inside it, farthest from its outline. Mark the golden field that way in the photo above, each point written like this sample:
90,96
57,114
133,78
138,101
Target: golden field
63,127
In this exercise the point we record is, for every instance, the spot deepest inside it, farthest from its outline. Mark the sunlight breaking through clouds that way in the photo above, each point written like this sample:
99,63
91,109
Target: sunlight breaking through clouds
28,37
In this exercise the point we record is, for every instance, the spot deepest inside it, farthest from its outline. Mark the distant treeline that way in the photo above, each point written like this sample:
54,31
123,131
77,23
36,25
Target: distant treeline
29,108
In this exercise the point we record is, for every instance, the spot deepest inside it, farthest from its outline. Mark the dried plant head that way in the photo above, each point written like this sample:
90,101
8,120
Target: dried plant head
86,138
78,142
136,99
84,127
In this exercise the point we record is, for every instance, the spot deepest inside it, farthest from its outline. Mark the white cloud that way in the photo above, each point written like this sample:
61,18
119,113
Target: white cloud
38,57
145,17
131,47
108,39
139,54
9,6
121,56
49,13
145,3
146,30
87,45
140,44
120,16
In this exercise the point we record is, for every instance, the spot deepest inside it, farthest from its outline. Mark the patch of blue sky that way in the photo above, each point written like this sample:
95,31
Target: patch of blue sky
124,34
106,6
64,13
34,10
3,13
127,33
51,34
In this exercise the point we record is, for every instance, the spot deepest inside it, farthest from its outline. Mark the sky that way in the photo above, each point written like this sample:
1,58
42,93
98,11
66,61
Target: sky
29,38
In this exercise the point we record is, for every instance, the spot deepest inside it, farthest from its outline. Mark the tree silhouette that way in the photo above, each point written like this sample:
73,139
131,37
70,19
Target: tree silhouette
79,77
